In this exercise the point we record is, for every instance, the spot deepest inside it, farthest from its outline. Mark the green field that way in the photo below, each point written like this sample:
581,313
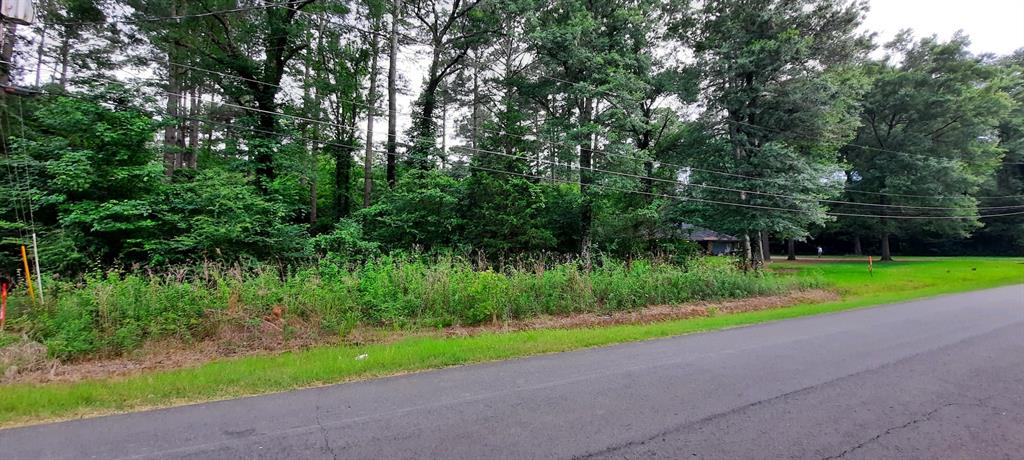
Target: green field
906,279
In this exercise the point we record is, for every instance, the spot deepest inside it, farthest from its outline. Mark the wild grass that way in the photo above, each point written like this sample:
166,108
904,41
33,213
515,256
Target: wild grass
29,403
114,313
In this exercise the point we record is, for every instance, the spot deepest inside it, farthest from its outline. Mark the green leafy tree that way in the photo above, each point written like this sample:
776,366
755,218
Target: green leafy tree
254,48
422,211
589,58
781,101
221,215
929,129
1006,234
451,28
92,171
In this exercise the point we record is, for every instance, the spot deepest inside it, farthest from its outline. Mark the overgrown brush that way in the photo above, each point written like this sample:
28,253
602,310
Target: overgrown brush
113,313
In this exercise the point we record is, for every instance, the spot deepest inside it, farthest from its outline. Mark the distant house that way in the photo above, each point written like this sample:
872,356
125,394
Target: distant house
713,242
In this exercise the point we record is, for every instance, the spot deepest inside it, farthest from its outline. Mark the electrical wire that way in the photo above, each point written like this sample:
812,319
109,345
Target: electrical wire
287,5
855,203
616,172
168,93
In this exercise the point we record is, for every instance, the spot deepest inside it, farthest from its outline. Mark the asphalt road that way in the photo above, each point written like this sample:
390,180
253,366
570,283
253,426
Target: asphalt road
939,378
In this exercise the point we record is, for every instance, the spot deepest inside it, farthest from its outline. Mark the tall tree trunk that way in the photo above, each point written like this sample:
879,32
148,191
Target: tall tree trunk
393,94
171,131
766,248
475,114
313,197
343,165
643,144
444,122
790,249
758,247
857,250
424,127
370,115
65,51
191,156
586,175
264,150
747,256
648,180
209,134
886,254
10,34
316,111
39,54
182,138
342,177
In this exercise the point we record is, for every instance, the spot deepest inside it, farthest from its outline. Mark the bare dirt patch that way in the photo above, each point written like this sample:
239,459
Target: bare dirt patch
234,338
276,335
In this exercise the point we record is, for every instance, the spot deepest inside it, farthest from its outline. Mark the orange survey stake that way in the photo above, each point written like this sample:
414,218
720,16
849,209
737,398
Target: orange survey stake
4,285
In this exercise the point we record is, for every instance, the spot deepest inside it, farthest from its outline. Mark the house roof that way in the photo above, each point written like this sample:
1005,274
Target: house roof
694,233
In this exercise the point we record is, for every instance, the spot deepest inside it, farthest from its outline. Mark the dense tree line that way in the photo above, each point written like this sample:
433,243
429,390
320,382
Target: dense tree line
158,132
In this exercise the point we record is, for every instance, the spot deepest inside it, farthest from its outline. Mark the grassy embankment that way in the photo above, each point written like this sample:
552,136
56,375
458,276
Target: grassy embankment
907,279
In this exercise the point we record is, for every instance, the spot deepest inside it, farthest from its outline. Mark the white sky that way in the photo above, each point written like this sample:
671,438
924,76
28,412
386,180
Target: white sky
994,26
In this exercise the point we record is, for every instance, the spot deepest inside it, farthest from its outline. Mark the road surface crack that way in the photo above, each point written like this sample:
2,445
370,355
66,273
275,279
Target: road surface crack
890,430
323,433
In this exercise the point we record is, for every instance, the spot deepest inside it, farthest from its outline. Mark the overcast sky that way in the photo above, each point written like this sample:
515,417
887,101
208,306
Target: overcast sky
995,26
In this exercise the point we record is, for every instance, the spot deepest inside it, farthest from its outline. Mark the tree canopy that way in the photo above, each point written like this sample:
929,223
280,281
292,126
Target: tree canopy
160,132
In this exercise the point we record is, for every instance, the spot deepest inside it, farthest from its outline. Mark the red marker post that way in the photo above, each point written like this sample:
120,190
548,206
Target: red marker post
4,284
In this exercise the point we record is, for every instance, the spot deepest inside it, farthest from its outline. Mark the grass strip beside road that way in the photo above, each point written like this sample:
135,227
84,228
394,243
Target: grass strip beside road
909,279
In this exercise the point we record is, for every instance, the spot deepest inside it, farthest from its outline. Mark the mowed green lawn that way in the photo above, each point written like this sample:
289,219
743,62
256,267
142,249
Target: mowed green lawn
905,279
908,277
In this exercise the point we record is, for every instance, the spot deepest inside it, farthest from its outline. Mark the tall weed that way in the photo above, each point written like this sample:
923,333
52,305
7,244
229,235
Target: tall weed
113,313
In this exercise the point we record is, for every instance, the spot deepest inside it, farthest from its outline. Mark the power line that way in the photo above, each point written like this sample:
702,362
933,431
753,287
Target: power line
711,171
741,191
171,18
744,205
312,120
616,172
287,5
859,146
676,197
229,104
